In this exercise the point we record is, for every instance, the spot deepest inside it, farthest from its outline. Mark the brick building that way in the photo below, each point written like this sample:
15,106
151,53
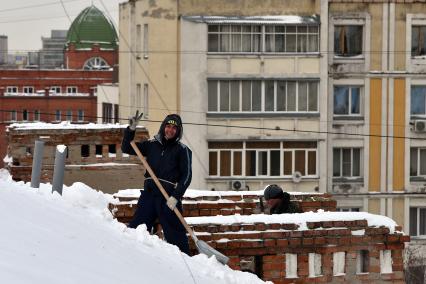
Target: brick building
92,42
320,247
94,155
48,95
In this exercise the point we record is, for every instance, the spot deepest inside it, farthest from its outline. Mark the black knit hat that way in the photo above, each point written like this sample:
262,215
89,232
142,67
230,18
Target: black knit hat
273,191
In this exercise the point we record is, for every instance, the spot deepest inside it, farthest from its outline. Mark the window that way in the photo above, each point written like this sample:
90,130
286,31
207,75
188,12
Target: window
348,209
346,162
348,40
116,112
98,151
85,151
417,221
275,159
347,100
263,38
94,63
11,90
55,90
138,40
290,265
25,115
145,41
145,100
339,263
58,115
13,115
28,90
69,115
417,162
315,268
80,115
277,95
36,115
106,113
72,90
362,261
418,100
418,40
138,96
112,150
385,261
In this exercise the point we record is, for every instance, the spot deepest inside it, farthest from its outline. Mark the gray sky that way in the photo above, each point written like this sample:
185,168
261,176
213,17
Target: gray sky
26,21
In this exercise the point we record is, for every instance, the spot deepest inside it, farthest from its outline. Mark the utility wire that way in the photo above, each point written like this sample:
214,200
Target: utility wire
35,6
278,129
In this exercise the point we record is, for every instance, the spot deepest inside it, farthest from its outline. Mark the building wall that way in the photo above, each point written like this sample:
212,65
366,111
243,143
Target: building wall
42,100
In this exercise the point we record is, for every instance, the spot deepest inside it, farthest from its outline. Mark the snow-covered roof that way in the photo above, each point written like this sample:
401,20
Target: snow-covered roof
65,125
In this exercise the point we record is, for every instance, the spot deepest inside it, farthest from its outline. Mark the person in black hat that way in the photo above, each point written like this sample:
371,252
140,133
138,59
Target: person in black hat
171,161
278,201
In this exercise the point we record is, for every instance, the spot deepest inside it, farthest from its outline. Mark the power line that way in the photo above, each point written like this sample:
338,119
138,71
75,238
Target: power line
278,129
35,6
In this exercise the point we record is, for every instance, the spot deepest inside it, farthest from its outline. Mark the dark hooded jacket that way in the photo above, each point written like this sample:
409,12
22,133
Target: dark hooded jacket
170,160
285,206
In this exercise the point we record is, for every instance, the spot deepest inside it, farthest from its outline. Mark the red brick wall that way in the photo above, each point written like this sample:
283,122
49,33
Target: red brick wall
85,81
262,247
75,59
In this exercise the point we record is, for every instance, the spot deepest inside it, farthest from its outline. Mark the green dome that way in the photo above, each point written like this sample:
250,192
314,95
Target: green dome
90,27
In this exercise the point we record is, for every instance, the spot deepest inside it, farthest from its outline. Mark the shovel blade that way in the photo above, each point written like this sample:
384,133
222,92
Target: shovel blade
204,248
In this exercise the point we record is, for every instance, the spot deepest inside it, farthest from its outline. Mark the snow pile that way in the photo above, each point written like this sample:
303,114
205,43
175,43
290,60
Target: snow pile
66,125
48,238
301,219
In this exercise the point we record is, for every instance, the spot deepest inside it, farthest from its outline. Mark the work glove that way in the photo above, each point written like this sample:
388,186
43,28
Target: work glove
134,120
172,202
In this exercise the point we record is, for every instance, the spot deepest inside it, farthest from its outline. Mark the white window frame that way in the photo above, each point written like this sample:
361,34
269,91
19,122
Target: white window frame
315,265
70,90
28,90
12,90
25,115
263,96
293,161
417,208
352,158
37,115
385,261
361,96
339,263
231,34
55,90
419,149
362,19
291,265
411,93
58,115
68,115
80,115
281,151
13,115
413,62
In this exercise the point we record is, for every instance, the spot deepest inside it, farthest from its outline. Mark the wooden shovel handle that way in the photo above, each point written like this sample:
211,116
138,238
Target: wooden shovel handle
161,188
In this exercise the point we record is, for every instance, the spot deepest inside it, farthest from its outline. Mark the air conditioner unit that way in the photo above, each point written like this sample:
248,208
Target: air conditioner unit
238,185
420,125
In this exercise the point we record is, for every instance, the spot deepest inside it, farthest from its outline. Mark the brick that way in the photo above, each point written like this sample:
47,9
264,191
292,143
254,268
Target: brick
282,243
319,241
273,266
260,226
392,238
294,242
272,235
307,241
270,243
271,258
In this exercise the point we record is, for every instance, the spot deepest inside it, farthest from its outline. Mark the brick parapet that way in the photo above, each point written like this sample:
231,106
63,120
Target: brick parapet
213,205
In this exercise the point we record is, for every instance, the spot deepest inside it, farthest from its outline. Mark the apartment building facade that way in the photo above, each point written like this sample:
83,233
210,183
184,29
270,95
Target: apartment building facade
320,95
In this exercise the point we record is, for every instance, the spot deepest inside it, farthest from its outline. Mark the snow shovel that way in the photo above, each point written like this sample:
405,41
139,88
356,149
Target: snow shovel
202,246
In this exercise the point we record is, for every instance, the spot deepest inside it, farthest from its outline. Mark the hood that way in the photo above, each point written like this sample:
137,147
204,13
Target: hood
176,120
